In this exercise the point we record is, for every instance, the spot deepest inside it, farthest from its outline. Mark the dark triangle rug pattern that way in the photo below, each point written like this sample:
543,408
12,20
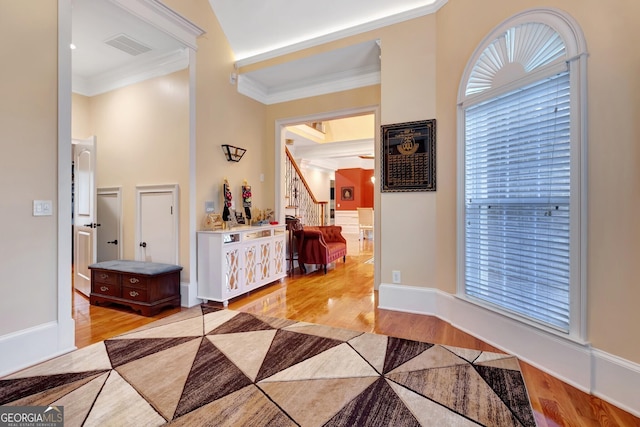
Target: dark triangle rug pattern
207,366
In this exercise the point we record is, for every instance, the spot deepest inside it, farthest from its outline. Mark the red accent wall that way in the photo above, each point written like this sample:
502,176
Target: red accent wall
360,180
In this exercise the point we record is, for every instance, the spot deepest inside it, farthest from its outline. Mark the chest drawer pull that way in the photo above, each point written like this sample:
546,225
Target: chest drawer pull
134,293
104,288
134,280
104,276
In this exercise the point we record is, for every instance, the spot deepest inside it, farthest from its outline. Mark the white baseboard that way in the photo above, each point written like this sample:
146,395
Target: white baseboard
25,348
617,381
188,292
591,370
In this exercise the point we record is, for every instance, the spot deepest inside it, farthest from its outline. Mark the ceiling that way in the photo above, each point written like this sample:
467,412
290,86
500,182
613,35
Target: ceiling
98,67
255,30
340,69
115,48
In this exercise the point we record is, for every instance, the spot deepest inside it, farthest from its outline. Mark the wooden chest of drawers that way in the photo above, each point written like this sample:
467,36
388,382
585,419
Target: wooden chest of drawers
146,287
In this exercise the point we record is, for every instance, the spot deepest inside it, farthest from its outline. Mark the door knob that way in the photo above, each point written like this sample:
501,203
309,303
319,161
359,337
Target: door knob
115,242
143,244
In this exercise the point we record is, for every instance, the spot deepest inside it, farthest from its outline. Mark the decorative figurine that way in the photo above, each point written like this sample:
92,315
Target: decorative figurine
269,216
246,200
233,218
226,213
213,221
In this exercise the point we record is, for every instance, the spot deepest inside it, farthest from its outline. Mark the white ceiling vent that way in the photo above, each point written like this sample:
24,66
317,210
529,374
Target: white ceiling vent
127,44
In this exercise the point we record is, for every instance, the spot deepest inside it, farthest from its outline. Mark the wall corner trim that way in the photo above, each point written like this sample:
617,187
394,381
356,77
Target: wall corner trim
188,292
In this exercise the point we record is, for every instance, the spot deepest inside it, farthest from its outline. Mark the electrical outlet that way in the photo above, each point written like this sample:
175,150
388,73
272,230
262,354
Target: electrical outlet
396,277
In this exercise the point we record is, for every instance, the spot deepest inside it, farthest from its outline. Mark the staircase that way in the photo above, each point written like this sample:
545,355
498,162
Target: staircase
301,203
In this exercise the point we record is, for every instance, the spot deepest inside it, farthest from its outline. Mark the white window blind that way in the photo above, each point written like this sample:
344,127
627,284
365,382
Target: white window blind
517,187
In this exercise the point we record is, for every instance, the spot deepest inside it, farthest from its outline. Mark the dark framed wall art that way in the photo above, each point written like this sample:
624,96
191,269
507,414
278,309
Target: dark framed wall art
408,160
346,193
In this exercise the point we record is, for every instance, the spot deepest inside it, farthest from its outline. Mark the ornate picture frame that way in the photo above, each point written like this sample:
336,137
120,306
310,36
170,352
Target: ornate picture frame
408,158
346,193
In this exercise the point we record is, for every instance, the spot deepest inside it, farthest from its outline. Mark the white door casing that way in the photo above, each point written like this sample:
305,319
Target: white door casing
157,223
84,222
109,216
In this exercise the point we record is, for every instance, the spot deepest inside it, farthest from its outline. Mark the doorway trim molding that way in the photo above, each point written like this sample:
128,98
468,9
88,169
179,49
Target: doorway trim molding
65,323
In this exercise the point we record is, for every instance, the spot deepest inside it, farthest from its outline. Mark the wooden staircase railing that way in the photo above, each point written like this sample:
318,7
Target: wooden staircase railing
299,196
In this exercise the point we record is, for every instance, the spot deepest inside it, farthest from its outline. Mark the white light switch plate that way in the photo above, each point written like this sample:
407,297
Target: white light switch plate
42,208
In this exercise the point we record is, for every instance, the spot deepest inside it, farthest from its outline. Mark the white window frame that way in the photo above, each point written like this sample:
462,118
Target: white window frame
576,60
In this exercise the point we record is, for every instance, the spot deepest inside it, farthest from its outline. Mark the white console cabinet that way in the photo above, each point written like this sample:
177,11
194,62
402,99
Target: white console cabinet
235,261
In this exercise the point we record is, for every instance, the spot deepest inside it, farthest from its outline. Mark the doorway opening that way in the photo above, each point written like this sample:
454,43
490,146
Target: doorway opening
325,159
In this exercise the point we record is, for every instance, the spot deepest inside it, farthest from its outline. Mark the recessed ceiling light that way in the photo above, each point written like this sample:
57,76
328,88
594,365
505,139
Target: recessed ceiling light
72,46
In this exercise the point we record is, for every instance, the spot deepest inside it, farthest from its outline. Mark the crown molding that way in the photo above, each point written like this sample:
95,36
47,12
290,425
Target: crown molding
332,156
322,165
134,73
336,149
307,88
332,165
163,18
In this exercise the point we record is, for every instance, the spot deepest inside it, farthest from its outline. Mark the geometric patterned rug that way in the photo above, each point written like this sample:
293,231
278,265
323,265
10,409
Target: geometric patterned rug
209,366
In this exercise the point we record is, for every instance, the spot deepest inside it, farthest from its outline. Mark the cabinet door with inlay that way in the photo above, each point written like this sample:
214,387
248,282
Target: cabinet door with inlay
279,255
250,265
265,260
232,271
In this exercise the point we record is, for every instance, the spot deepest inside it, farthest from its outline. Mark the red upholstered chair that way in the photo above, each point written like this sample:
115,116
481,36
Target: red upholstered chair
320,245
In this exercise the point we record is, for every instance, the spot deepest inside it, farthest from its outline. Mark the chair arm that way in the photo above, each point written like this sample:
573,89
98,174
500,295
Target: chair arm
311,235
312,248
307,235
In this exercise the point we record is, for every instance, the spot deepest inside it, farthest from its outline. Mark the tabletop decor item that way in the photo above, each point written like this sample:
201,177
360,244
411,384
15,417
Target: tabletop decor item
213,221
226,190
246,200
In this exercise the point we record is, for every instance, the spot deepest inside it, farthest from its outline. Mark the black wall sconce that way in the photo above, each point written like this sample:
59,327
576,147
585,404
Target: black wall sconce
233,154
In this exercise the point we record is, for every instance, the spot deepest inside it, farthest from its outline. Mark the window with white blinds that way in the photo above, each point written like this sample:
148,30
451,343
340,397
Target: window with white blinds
516,190
522,173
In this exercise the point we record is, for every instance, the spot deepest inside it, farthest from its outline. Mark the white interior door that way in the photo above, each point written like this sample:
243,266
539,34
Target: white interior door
109,235
84,218
158,225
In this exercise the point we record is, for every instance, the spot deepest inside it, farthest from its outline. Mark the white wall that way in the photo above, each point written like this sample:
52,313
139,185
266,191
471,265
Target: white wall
319,181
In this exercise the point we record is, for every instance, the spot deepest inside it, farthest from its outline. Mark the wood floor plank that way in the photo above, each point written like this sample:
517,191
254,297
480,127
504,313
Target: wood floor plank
345,298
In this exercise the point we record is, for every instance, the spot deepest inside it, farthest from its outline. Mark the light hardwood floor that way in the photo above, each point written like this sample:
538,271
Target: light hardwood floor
344,298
